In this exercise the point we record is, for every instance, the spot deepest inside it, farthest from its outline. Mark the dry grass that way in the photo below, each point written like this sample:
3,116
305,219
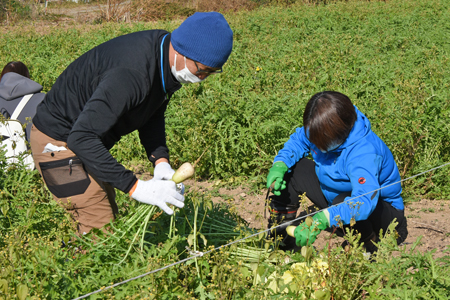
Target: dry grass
99,11
225,5
13,10
116,11
153,10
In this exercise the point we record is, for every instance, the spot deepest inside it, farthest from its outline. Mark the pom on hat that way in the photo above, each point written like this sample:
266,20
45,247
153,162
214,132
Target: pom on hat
204,37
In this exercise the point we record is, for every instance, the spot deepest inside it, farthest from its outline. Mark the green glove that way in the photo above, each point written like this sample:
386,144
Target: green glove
276,174
306,235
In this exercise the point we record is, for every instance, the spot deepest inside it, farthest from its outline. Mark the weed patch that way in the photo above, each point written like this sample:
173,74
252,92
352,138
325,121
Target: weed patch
391,58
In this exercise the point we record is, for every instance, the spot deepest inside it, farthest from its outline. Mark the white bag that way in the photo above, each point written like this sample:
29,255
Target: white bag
13,136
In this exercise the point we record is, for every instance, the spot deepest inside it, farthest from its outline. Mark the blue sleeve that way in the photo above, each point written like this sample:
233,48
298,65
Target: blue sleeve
294,149
363,172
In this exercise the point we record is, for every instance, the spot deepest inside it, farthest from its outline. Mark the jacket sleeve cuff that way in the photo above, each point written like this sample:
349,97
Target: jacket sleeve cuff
160,152
131,187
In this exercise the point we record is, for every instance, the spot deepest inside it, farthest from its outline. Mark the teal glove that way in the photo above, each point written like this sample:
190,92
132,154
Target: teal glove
306,235
276,174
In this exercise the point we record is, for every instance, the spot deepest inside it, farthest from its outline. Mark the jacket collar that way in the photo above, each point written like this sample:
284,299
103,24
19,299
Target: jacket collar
171,84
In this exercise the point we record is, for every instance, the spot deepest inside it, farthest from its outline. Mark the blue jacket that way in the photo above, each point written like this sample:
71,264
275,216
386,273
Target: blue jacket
361,165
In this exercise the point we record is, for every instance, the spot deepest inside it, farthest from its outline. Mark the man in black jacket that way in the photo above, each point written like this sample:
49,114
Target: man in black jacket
120,86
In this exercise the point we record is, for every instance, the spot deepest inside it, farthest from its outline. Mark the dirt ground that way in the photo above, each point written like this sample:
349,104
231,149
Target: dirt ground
429,219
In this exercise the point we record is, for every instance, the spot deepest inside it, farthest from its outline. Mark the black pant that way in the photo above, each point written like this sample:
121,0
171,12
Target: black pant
303,179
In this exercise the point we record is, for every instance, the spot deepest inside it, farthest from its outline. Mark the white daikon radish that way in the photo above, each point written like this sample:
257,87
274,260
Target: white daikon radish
185,171
290,230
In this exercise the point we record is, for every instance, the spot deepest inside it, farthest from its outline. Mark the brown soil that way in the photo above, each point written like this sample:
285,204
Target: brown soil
428,219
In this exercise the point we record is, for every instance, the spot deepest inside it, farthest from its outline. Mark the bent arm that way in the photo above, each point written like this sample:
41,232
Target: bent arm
153,136
294,149
117,93
364,172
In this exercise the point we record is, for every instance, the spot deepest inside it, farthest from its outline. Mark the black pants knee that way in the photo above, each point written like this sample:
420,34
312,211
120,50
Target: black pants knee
382,216
303,179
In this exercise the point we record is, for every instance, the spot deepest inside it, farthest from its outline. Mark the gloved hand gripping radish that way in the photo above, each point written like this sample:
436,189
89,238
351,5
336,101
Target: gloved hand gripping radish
307,232
163,171
162,192
159,193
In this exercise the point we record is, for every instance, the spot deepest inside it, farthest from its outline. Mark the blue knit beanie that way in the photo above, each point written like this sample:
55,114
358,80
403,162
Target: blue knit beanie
204,37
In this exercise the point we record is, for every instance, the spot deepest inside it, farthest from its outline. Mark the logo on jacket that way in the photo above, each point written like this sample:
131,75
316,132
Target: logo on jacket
362,180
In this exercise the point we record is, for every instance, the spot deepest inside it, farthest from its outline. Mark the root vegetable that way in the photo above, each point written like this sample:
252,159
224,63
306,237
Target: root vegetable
290,230
185,171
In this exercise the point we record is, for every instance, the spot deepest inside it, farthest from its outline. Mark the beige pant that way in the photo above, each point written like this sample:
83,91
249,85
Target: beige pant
90,202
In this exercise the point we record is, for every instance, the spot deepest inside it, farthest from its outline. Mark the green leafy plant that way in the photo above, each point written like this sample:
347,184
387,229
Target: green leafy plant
391,58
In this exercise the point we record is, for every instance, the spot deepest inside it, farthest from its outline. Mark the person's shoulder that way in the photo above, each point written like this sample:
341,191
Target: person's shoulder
365,146
135,80
124,74
152,33
38,97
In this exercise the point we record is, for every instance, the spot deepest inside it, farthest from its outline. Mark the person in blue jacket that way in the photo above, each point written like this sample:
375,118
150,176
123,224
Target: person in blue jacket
353,175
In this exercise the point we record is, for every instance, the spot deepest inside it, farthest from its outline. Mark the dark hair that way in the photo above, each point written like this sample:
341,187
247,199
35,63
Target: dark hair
329,117
16,67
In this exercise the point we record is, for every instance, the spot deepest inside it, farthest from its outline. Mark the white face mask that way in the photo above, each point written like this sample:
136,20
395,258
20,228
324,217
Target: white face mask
332,147
184,76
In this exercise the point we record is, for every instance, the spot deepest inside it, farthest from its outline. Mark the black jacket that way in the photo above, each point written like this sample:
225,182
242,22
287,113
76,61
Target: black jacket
109,92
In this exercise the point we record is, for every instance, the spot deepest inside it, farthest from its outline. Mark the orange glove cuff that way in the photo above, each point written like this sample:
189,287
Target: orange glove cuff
133,188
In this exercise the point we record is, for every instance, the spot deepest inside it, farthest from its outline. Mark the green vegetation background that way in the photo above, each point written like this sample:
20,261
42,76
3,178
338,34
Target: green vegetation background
391,58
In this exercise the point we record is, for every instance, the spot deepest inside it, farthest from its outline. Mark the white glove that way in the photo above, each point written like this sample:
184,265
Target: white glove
163,171
159,193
